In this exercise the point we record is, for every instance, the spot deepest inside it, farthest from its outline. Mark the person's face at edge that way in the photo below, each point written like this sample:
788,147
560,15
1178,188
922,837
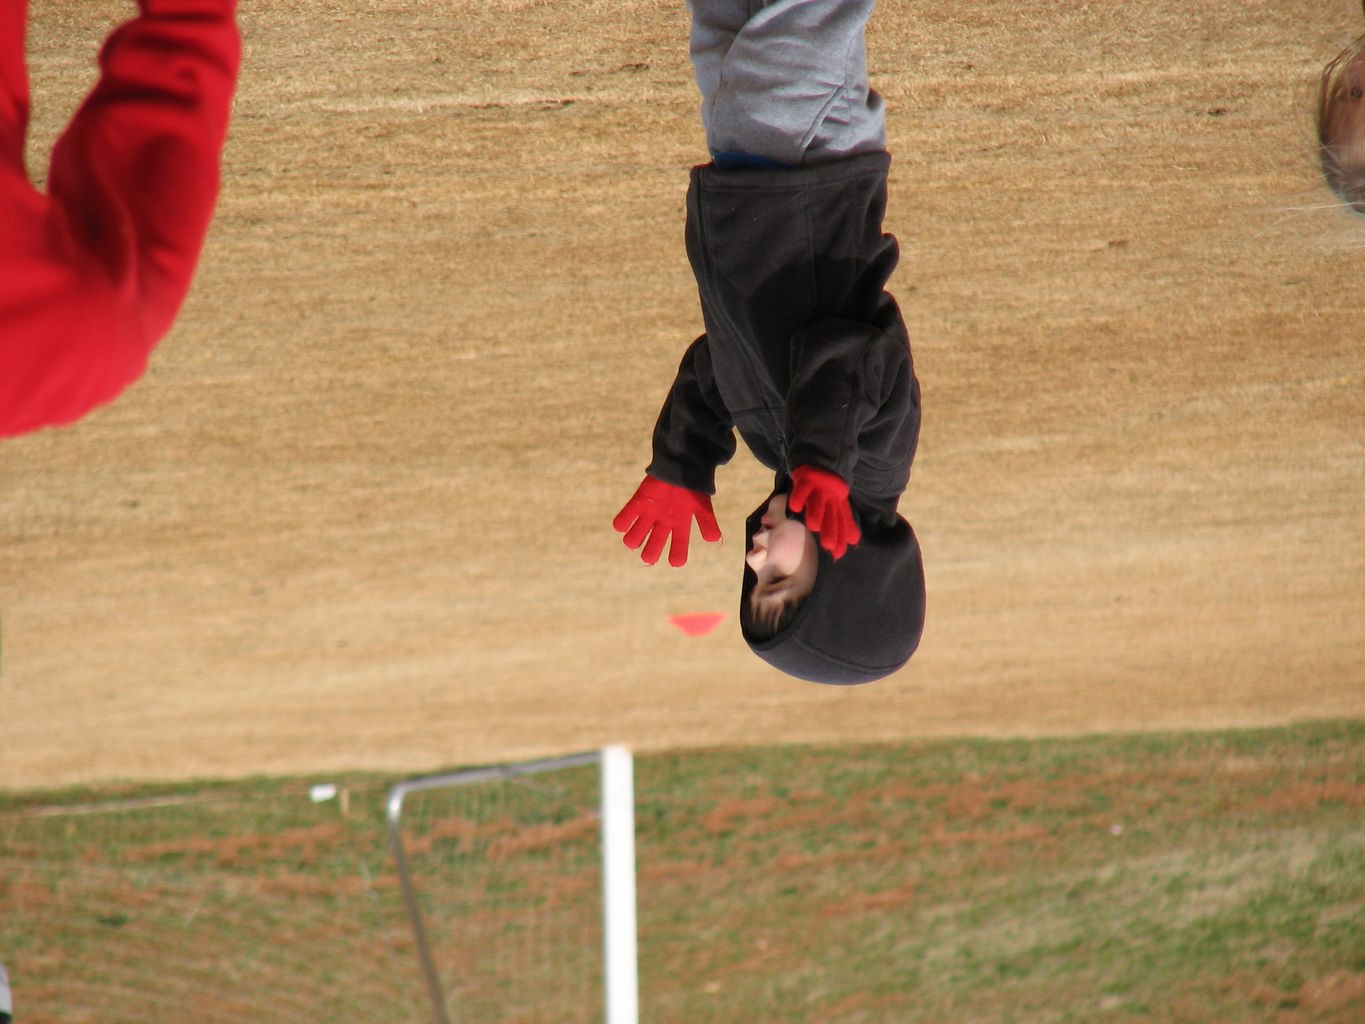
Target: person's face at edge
1345,117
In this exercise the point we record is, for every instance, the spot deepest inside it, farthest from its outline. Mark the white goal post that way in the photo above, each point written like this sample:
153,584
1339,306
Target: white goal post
617,812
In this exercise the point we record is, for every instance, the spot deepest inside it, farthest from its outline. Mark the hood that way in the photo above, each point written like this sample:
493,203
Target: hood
863,618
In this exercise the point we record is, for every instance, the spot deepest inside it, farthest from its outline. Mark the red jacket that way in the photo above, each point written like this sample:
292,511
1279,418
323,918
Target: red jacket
93,272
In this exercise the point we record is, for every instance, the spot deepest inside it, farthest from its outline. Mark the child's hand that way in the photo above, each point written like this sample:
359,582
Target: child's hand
661,511
824,496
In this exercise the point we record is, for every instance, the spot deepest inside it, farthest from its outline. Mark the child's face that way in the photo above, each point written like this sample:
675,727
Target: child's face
783,555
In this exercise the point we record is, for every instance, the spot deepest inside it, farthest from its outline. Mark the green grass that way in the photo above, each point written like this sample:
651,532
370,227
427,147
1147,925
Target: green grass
1182,877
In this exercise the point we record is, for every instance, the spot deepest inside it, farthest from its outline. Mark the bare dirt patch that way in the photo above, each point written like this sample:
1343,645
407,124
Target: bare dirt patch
357,513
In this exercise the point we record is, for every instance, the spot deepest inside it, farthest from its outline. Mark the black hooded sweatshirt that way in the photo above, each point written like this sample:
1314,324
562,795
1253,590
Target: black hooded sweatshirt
806,355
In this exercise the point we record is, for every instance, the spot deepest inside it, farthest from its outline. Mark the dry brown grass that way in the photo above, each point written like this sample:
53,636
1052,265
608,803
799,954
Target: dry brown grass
357,513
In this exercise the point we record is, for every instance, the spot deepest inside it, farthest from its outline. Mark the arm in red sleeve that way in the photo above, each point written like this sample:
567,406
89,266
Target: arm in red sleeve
13,84
93,274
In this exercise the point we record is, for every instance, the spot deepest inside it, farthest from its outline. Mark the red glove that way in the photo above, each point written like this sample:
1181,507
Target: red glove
824,496
660,511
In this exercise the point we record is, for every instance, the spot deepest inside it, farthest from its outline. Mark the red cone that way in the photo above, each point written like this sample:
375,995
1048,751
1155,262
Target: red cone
697,623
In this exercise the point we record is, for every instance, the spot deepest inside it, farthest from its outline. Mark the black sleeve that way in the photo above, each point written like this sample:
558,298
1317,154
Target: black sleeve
694,433
850,381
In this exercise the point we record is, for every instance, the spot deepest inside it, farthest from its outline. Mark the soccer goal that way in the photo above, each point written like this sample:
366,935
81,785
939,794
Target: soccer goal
519,882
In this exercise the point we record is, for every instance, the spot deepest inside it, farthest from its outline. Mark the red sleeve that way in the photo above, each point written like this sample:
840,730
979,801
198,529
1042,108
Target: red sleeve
94,272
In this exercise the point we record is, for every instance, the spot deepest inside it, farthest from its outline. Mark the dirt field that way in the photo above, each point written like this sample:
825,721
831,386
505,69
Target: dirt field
357,513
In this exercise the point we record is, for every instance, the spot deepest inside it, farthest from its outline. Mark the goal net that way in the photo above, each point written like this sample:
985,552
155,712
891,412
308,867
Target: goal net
519,882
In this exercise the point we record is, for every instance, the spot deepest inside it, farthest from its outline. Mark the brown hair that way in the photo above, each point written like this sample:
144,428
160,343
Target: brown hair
764,620
1342,159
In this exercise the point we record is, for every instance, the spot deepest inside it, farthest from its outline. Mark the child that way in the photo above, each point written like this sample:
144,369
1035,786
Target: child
1341,125
805,353
93,272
